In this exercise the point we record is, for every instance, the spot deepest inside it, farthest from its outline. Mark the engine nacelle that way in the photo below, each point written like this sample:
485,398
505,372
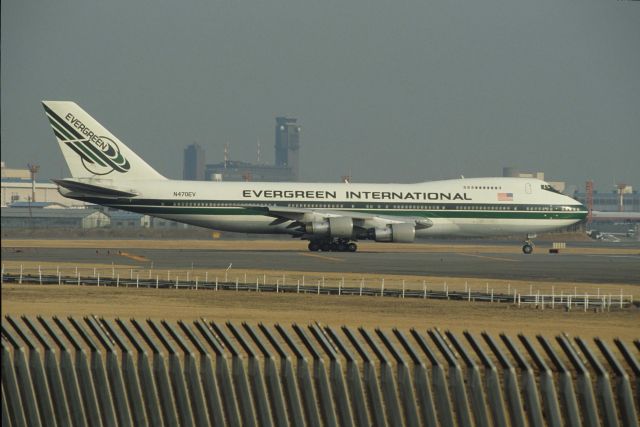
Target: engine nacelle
400,233
333,227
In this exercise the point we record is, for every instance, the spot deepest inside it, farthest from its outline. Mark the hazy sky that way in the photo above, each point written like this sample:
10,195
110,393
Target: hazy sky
389,91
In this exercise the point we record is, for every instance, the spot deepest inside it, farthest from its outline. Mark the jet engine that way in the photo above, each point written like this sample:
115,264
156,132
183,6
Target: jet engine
332,227
400,233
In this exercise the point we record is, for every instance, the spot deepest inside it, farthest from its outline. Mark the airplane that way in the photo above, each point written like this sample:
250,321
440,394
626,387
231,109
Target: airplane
331,216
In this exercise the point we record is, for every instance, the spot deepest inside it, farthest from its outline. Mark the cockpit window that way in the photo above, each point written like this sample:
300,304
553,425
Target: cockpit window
547,187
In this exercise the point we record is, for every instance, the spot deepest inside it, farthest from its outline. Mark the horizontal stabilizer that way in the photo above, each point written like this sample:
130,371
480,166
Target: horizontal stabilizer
92,190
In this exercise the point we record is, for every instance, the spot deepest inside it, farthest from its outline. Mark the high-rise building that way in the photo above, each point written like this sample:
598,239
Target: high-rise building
193,168
288,145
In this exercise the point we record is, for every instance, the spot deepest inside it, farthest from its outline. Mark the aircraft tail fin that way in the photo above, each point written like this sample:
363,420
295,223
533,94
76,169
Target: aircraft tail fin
89,149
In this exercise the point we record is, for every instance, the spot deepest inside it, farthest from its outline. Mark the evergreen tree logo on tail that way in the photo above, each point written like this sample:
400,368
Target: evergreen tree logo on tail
100,155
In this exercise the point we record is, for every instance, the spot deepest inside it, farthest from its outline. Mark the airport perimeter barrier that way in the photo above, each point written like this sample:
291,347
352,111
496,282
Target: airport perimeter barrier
281,284
106,372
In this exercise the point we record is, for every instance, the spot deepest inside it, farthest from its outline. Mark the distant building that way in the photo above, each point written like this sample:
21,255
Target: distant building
511,172
194,160
288,145
16,186
287,156
53,218
610,201
242,171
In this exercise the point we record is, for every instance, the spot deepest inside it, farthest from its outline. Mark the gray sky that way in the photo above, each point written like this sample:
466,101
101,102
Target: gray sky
391,91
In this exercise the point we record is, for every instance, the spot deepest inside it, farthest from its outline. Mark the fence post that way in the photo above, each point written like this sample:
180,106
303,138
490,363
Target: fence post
157,279
40,278
257,284
424,289
318,287
403,289
361,284
98,279
78,278
298,288
277,286
196,283
216,283
382,288
118,280
469,294
177,281
20,280
620,298
137,280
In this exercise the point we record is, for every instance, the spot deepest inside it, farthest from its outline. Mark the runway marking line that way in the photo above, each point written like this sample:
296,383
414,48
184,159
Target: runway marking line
490,257
323,257
133,257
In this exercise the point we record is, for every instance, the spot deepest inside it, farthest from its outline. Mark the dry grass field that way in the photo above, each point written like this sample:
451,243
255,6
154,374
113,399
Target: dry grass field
273,308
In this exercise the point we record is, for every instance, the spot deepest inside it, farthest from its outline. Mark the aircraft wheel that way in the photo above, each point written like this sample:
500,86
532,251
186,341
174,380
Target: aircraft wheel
527,248
314,246
342,247
352,247
325,247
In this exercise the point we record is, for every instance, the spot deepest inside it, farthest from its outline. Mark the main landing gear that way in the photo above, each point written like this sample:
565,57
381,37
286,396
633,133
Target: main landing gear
528,246
335,245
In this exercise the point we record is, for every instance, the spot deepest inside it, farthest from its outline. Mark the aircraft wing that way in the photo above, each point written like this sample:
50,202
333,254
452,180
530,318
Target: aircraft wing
298,217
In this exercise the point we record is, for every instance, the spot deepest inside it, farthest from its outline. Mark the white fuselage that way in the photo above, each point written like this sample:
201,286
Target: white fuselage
459,207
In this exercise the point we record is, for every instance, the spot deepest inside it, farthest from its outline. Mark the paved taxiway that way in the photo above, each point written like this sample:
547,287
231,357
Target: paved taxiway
591,268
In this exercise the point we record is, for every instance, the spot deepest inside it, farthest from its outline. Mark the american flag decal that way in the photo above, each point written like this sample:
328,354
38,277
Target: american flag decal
505,197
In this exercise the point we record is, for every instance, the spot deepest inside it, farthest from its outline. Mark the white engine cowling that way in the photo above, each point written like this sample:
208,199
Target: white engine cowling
334,227
400,233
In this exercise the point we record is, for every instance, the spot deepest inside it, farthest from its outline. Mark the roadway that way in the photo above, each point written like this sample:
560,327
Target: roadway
540,266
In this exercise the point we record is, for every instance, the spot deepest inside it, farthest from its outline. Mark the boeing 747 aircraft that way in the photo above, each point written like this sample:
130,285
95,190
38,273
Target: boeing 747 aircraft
332,217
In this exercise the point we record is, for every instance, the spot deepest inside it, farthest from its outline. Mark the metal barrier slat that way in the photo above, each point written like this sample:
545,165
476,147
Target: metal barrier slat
583,383
405,385
85,379
195,395
278,407
358,403
603,386
52,371
512,391
494,390
342,401
161,377
456,380
321,382
240,379
40,387
421,382
129,376
147,383
292,400
439,381
23,375
101,386
69,378
114,374
176,376
258,387
10,389
370,380
550,404
474,381
633,364
532,407
223,376
307,392
209,387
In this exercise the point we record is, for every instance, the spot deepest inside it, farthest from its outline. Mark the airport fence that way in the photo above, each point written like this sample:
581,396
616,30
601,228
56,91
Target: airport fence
570,299
103,372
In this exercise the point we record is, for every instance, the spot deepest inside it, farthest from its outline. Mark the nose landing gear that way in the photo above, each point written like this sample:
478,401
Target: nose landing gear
336,245
528,246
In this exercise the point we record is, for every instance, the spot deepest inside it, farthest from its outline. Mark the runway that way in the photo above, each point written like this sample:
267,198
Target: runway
540,266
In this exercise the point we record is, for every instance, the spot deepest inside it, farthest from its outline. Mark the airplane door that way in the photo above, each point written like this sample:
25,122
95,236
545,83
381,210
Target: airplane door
527,188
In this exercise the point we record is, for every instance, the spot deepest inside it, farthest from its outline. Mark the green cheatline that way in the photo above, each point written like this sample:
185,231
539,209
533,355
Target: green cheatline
208,210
